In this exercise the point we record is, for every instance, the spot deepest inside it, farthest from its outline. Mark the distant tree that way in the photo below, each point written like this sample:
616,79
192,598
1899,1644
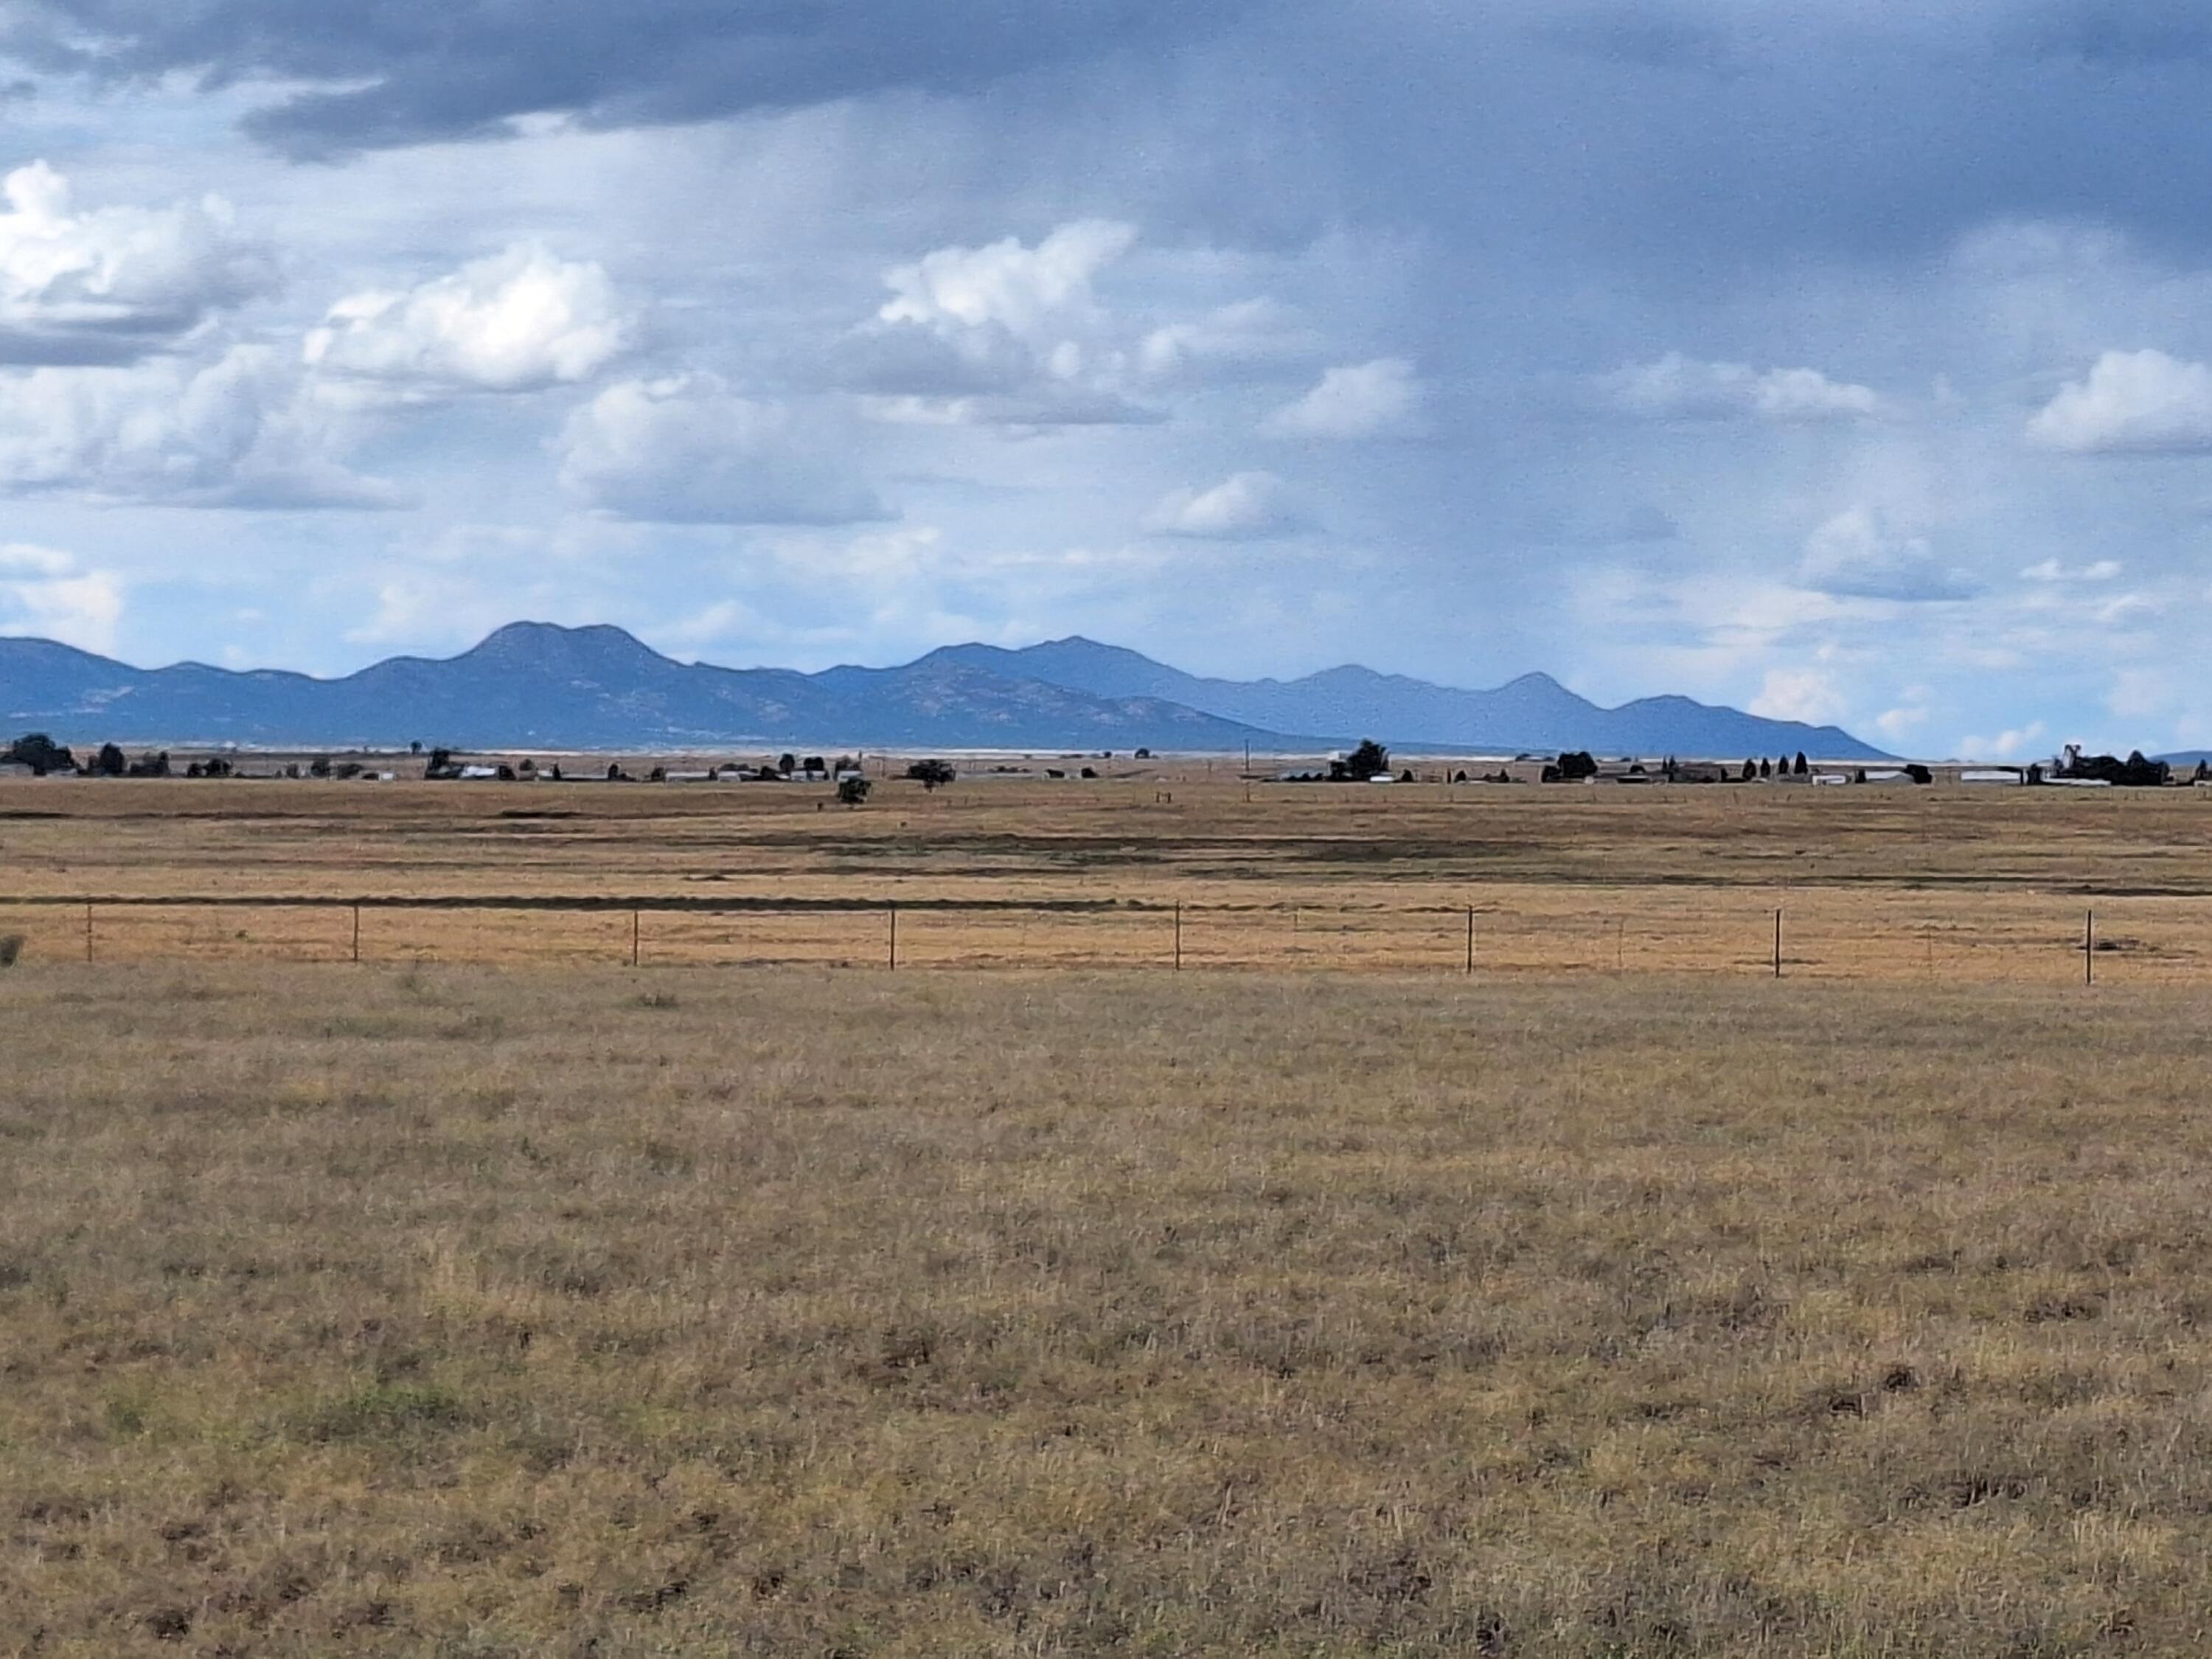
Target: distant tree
1370,759
1750,770
614,772
1859,776
1088,772
787,764
1766,768
217,766
1575,764
40,753
149,766
815,763
320,767
557,771
852,792
416,747
932,774
1800,767
2035,771
1143,754
441,762
1918,773
110,763
659,775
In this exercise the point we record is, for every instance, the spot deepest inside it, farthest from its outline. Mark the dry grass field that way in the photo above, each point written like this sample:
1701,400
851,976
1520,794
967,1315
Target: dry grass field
492,1298
455,1311
1933,884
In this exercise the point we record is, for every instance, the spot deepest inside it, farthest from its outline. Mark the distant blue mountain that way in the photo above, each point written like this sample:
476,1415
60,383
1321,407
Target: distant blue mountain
1532,713
536,686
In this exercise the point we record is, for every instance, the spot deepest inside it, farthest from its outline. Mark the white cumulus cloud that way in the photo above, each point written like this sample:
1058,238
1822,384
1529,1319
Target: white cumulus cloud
1020,289
2004,745
238,431
1856,554
1244,506
1377,400
2132,403
1675,388
685,450
1003,335
113,284
1798,694
517,321
44,592
1233,342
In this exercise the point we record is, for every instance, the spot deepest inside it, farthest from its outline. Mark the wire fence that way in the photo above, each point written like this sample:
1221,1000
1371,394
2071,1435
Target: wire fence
2005,938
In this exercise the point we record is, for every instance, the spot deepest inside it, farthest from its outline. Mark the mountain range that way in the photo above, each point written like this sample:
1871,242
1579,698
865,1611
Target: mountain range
537,685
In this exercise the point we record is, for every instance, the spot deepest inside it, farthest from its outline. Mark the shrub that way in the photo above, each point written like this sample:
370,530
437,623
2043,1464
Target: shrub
852,791
40,753
929,774
11,949
1576,764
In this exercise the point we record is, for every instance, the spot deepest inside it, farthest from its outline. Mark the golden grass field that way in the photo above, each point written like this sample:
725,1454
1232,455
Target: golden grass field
1937,884
1624,1302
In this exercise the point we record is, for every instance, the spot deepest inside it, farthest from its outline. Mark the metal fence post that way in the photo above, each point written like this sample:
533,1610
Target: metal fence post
1178,936
1777,942
2089,947
88,930
894,955
356,933
1470,940
633,936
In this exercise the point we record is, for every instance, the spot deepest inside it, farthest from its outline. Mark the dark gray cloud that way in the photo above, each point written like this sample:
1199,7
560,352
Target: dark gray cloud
462,69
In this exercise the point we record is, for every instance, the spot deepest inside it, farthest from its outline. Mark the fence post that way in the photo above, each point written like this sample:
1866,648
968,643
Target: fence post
356,933
633,936
894,956
1470,939
2089,947
1777,942
1178,936
88,930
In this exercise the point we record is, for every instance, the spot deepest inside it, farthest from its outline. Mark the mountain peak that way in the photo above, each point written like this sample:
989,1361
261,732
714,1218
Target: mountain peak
544,642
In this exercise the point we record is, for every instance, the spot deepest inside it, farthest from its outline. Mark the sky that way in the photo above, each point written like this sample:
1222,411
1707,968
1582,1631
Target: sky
1835,359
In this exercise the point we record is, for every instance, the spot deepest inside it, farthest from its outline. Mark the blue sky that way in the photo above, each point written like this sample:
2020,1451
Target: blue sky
1842,361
